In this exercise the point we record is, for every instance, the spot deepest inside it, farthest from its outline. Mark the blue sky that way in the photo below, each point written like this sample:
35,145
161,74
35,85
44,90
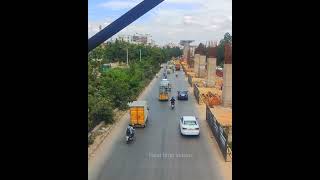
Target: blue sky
170,21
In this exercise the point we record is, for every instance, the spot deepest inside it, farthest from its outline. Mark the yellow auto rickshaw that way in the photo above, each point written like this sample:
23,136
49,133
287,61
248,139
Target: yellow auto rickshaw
163,93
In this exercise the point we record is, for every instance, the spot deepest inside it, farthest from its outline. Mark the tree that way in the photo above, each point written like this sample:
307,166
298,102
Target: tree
227,37
116,87
220,48
99,110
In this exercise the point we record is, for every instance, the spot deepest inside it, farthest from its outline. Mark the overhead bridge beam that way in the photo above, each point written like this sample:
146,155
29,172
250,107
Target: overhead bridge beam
122,22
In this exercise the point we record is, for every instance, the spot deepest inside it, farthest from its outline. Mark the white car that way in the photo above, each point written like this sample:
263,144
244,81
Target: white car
189,125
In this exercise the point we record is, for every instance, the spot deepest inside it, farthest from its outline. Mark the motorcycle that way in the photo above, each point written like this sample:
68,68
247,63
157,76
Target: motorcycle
172,105
129,138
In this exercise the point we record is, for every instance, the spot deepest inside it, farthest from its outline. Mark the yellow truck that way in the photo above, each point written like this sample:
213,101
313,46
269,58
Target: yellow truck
139,111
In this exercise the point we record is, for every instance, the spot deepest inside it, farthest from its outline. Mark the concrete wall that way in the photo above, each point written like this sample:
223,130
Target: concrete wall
227,86
211,71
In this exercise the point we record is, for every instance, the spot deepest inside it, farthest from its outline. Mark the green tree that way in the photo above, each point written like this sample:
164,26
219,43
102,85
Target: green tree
220,48
116,87
99,110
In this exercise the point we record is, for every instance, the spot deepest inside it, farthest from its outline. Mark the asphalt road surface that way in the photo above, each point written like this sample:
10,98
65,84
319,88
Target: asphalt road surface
159,151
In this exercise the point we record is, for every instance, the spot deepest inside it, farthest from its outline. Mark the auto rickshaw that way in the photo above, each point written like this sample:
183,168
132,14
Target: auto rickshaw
163,93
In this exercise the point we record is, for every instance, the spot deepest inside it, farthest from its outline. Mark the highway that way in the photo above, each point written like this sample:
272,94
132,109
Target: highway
159,151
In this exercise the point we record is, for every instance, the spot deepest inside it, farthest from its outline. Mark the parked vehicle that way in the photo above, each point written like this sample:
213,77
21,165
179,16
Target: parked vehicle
189,126
139,113
182,95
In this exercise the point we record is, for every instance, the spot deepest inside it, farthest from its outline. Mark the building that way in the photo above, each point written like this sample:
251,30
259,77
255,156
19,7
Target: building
137,39
126,38
171,45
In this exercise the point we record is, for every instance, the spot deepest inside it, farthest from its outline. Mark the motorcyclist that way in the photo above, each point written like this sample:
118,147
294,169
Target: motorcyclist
172,100
130,131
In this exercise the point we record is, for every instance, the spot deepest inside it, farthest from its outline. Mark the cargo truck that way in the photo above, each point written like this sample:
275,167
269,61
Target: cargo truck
139,111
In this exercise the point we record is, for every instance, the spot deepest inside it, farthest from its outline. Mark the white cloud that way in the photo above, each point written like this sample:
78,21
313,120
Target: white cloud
209,20
189,20
118,5
182,1
93,27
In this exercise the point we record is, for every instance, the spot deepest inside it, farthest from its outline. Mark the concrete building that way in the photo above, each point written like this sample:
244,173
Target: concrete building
137,39
126,38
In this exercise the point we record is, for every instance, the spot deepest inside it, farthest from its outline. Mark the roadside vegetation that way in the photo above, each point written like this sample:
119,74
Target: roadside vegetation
113,88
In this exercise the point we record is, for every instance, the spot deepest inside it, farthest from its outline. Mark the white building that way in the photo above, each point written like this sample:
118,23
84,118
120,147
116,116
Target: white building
137,39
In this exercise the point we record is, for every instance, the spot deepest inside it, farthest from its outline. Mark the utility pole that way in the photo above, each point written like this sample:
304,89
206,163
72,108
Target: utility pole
127,58
199,68
140,55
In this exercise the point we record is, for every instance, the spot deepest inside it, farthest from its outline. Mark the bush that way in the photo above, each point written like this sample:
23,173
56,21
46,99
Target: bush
90,140
99,110
116,87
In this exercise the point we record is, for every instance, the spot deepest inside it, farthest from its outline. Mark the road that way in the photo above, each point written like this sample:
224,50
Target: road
159,151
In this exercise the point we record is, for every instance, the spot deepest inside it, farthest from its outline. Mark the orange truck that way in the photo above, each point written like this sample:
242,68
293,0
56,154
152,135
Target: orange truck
177,67
139,113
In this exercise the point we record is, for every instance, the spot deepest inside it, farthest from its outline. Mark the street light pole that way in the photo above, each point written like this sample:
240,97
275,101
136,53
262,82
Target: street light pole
127,58
199,68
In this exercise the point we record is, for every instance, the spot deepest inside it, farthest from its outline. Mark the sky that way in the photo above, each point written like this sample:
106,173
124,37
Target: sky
169,22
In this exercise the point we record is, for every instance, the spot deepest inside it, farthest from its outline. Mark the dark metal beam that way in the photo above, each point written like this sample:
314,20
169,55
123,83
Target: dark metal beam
122,22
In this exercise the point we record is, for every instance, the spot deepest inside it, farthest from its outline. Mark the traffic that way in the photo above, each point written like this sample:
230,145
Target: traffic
139,110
